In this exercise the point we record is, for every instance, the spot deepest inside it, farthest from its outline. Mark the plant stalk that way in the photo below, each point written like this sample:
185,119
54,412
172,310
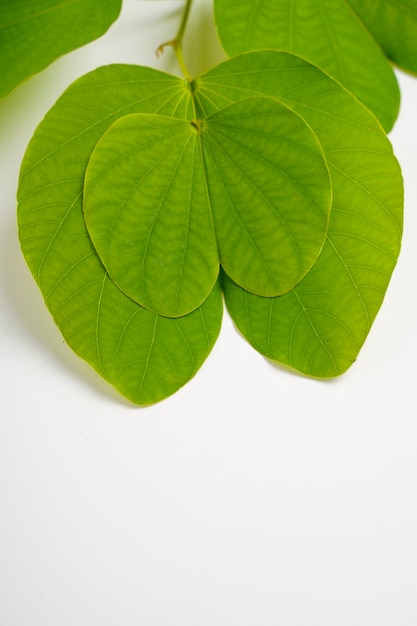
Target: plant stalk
176,43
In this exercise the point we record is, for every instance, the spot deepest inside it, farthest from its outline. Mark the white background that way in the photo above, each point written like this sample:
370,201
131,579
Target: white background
253,496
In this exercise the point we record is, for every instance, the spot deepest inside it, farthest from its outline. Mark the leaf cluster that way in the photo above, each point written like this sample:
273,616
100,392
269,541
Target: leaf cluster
269,181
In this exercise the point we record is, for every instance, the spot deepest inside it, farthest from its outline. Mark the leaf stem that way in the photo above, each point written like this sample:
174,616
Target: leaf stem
176,43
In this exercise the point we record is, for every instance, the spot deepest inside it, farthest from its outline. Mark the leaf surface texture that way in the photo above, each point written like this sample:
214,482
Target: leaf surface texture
33,34
137,186
145,356
160,191
327,33
320,325
393,23
147,211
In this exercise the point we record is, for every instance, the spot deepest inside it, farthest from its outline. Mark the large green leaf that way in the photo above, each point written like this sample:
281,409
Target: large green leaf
35,33
146,357
261,126
320,325
393,23
155,185
327,33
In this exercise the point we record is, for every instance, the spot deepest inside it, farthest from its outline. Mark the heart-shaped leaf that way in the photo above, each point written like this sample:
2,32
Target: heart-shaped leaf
155,185
33,34
320,325
393,23
327,33
146,357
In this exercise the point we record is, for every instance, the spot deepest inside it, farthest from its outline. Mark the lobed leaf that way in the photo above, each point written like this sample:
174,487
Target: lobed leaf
155,185
393,23
33,34
270,193
321,324
147,212
146,357
257,132
327,33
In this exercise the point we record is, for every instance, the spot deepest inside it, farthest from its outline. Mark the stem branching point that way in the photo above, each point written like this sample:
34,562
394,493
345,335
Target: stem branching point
176,42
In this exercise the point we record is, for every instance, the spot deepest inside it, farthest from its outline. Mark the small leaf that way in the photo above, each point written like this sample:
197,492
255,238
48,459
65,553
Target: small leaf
147,212
393,23
320,325
33,34
146,357
327,33
270,193
151,199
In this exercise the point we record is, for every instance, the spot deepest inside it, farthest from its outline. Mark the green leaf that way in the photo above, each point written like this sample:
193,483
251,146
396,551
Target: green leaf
270,193
260,130
320,325
393,23
147,211
327,33
33,34
146,357
152,193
